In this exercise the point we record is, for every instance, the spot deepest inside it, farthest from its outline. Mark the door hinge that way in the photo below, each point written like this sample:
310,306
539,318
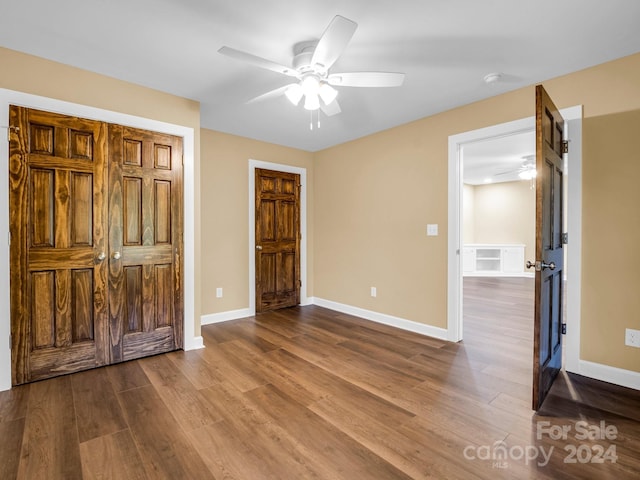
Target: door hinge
9,128
565,238
300,283
564,329
565,146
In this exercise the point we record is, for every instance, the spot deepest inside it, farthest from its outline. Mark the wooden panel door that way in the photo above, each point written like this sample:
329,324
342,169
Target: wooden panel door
145,243
277,240
58,226
549,265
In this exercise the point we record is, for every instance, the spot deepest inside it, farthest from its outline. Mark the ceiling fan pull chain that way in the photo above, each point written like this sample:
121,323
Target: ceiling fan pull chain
318,118
310,119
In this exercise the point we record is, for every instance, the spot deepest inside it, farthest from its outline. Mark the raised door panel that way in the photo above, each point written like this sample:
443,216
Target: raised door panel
162,220
81,209
42,213
82,294
43,309
58,207
132,210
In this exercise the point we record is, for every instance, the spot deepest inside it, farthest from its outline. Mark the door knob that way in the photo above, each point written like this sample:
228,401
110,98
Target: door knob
258,247
101,256
539,266
116,255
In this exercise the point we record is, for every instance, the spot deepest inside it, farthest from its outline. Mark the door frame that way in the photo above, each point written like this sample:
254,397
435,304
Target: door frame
11,97
253,164
573,119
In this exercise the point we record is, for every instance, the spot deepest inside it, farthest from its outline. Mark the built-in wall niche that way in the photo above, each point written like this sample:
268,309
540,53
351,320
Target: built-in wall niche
485,259
499,214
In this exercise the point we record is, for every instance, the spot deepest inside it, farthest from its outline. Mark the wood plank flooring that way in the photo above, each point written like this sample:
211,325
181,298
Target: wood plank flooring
308,393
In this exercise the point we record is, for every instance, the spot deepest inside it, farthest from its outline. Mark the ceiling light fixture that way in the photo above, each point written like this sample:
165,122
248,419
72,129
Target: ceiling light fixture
529,173
294,93
492,78
312,88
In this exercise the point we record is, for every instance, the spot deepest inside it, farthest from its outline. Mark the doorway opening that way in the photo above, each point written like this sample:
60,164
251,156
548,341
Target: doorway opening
457,144
498,236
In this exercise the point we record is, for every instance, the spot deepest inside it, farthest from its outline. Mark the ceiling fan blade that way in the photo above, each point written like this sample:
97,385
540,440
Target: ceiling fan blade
330,110
257,61
271,94
333,42
508,172
366,79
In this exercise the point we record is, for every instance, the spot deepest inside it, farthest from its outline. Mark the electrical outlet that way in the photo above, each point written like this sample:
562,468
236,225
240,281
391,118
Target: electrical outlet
632,337
374,292
219,292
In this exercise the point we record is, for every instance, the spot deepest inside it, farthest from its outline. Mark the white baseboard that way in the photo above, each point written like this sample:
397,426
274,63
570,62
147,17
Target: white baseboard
241,313
489,274
307,301
436,332
617,376
195,344
225,316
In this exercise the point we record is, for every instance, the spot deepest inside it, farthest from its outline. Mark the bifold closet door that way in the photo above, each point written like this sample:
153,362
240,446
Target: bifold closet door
96,243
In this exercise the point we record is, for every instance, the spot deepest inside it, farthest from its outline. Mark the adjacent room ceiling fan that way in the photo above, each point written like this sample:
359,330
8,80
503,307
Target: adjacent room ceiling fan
310,68
526,171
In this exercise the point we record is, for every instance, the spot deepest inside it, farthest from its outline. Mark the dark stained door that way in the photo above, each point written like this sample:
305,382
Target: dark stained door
549,265
58,227
277,240
145,243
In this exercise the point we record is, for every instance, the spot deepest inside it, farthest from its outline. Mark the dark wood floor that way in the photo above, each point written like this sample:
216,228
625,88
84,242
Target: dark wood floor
311,393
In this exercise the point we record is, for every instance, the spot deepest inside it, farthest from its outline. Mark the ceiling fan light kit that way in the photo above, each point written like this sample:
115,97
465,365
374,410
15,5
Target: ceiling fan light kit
529,173
311,64
294,93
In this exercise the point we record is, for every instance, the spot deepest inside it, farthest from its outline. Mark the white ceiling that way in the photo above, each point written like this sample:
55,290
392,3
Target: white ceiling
445,47
498,159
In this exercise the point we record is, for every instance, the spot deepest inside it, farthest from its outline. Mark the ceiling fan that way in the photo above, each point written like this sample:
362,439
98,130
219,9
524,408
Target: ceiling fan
526,171
310,68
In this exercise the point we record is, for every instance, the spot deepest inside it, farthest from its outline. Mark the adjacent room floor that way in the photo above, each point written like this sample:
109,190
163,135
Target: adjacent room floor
311,393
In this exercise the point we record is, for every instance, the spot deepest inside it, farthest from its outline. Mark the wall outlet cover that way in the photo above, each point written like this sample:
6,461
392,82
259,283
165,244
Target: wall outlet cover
632,337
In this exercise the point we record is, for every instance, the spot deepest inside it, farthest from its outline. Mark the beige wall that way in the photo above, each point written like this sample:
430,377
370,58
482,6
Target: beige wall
374,197
371,199
225,227
505,213
611,229
36,76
